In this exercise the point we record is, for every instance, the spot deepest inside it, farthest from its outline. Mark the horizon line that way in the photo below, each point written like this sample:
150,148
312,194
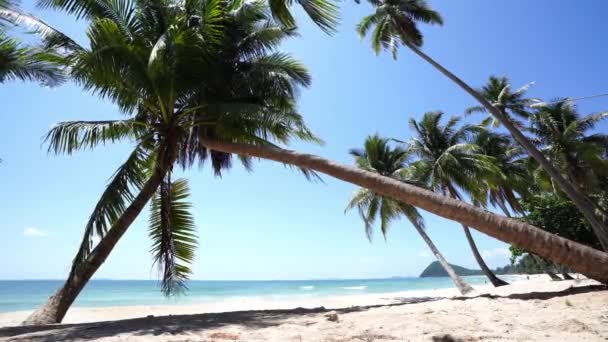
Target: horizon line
309,279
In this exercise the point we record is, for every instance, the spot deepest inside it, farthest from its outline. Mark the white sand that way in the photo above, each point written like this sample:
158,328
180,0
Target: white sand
534,310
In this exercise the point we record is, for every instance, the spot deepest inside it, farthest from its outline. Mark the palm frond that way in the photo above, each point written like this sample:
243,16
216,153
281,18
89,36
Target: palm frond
19,62
281,13
475,109
67,137
173,235
366,23
521,90
260,42
36,25
282,63
389,211
420,10
380,35
324,13
588,122
121,12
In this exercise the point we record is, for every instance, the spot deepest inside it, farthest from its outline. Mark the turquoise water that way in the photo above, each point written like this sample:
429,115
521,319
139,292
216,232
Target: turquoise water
18,295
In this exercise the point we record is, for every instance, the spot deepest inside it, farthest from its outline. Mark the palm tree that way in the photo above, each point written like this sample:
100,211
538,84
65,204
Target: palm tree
379,157
180,82
511,104
447,163
395,22
565,138
20,62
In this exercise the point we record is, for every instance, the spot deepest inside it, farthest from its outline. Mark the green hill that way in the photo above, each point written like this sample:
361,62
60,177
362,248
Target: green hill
435,270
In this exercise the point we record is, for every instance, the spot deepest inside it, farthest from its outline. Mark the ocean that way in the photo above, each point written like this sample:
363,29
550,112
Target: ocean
16,295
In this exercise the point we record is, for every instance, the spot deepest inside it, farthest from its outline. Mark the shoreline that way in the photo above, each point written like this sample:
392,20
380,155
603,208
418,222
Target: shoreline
534,310
87,314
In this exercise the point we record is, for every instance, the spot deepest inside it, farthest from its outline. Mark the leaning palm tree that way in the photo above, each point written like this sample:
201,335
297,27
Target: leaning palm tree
379,157
447,163
181,80
395,22
580,258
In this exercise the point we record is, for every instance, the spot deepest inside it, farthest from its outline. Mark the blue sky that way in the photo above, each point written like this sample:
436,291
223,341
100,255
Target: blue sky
272,223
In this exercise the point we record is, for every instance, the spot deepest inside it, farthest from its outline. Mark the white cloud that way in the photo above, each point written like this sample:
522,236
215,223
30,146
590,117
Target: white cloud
496,253
33,232
496,257
424,254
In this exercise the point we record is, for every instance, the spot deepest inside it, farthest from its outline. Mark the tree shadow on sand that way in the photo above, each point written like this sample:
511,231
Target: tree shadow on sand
541,295
446,338
178,324
255,319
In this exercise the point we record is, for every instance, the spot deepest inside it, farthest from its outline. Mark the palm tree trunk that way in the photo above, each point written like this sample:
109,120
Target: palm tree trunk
463,287
504,208
587,207
567,276
578,257
482,264
547,268
553,275
54,310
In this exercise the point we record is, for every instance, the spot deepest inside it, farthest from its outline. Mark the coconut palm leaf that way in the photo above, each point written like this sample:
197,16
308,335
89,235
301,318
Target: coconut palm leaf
324,13
53,38
70,136
173,235
119,10
18,62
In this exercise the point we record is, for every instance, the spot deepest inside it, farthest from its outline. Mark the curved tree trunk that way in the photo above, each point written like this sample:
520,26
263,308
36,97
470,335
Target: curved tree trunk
578,257
587,207
482,264
553,275
546,266
57,306
463,287
484,268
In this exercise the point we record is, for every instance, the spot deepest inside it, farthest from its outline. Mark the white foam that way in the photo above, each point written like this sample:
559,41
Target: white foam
307,287
359,288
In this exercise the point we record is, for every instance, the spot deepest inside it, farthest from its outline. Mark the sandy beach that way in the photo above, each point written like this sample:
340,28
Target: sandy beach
534,310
